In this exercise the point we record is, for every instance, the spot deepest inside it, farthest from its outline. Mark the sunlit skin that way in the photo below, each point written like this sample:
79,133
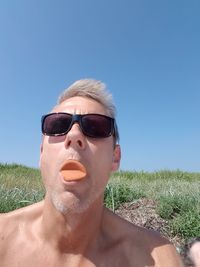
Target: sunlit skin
77,146
195,254
71,227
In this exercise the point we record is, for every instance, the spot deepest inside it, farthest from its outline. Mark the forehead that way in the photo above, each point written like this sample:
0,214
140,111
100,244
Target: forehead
80,105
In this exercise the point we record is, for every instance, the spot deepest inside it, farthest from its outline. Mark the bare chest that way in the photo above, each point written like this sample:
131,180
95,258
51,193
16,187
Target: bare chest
41,256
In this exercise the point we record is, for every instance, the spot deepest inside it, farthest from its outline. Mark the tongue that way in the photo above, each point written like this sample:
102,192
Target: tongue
73,170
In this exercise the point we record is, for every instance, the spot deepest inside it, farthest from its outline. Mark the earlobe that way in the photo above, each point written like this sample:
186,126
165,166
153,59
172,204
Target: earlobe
116,158
41,150
41,145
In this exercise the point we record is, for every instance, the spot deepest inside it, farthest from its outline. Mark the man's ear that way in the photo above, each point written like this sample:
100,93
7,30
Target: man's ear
41,150
116,158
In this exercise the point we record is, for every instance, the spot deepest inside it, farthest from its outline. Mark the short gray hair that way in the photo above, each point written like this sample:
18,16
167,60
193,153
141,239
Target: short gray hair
95,90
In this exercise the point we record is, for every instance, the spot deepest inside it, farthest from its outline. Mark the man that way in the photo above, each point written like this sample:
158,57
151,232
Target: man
71,227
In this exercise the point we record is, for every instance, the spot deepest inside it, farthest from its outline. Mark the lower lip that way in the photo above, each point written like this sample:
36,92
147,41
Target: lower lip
70,182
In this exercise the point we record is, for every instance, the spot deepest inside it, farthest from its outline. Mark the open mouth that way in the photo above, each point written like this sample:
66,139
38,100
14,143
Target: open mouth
73,170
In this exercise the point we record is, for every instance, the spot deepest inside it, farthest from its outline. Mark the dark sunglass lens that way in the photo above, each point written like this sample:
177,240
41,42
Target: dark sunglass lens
98,126
56,124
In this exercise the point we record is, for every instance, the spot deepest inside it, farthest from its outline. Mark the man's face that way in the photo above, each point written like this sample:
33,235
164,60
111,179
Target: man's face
98,155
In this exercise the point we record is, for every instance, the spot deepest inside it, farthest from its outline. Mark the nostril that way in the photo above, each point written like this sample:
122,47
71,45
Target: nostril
68,143
80,143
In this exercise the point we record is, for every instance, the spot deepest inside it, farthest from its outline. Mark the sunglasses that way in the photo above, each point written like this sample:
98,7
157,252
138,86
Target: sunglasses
92,125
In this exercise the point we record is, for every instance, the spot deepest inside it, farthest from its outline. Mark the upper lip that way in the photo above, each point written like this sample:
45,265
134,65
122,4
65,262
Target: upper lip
71,164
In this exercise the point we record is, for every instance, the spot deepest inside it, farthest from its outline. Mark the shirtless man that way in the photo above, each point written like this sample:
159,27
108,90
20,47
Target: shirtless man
71,227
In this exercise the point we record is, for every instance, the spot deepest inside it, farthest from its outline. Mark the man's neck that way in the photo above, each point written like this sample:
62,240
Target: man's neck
73,231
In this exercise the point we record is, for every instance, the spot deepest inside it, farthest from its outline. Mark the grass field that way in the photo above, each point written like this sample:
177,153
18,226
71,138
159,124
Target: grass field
176,193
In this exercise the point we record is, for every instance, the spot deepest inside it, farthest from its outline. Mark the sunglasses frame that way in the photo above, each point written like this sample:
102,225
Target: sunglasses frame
77,118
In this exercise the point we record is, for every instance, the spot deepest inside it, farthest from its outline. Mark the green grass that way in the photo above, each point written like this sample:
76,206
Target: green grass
175,192
19,186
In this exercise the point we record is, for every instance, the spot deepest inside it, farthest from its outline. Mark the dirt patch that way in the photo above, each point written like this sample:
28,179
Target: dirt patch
142,212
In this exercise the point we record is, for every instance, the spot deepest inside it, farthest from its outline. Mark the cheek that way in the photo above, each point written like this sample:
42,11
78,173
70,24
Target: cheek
102,160
45,167
48,163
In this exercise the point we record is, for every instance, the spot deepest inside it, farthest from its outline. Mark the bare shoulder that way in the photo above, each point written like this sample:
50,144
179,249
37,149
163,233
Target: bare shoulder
146,247
9,222
12,234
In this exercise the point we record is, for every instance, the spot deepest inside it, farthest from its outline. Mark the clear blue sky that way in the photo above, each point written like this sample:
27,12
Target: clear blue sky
147,52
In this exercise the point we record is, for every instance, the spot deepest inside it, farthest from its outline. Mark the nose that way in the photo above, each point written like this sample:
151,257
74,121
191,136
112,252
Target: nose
75,138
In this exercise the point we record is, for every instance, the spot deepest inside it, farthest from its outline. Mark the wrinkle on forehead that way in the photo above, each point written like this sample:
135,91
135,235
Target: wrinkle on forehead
72,109
80,105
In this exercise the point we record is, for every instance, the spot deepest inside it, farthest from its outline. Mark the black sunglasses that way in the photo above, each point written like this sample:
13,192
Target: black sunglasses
92,125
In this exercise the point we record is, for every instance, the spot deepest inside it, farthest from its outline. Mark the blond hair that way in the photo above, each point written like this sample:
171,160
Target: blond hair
95,90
